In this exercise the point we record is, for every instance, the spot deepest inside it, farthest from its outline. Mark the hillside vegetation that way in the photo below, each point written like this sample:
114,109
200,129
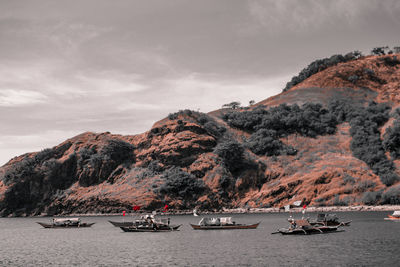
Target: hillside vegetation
330,138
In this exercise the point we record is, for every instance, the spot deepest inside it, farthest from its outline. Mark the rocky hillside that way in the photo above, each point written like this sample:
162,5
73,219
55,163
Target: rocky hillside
331,138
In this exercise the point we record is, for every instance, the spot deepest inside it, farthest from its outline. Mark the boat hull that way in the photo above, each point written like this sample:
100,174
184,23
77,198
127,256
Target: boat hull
147,229
224,227
131,224
82,225
330,223
121,224
175,226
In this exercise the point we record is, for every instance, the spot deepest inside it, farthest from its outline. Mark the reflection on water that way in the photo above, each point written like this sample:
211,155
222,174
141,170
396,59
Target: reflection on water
368,241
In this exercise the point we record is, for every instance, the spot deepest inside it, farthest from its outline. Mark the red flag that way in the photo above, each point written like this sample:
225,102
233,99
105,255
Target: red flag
123,213
165,208
305,206
136,208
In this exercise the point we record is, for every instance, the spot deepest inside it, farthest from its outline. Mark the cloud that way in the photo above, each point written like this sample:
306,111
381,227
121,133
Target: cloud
47,38
15,145
285,16
11,98
131,106
71,35
210,92
119,67
108,83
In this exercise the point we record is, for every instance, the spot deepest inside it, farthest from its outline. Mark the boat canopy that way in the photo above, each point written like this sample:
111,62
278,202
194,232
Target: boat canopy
147,216
332,218
327,217
66,220
216,221
209,221
226,220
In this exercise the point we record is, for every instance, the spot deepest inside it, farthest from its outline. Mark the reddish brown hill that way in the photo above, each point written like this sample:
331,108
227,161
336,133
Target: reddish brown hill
370,77
378,73
192,159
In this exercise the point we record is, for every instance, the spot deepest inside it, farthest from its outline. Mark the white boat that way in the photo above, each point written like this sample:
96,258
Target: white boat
66,223
221,223
394,217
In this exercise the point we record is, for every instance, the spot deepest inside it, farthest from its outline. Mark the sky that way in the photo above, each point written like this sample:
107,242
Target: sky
69,67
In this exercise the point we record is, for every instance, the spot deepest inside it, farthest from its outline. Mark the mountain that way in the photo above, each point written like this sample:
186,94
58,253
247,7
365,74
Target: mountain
332,137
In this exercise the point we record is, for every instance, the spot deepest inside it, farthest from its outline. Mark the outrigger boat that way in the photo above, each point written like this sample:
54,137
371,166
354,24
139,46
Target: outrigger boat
147,223
394,217
65,223
303,227
223,223
144,220
324,219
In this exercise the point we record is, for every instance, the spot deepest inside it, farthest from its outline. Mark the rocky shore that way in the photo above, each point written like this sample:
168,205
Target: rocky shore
260,210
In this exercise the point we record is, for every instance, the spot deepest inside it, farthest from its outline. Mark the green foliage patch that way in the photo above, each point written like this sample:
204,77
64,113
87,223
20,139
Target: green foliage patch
180,184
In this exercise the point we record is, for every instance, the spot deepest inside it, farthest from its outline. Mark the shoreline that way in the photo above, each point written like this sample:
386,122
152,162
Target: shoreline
361,208
317,209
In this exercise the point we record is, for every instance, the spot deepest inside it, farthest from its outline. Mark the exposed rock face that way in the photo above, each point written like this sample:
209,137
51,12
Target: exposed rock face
176,143
197,160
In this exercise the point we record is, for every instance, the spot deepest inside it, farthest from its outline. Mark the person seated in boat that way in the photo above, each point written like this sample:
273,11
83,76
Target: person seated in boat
293,224
149,220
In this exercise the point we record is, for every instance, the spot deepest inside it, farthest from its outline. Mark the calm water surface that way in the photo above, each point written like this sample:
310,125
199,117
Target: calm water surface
369,241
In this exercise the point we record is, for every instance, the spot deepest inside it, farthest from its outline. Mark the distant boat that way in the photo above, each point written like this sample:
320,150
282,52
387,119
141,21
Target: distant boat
325,219
131,224
303,227
394,217
223,223
141,220
65,223
147,223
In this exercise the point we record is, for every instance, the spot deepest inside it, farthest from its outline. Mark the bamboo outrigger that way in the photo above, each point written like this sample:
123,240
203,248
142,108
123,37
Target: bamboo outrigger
303,227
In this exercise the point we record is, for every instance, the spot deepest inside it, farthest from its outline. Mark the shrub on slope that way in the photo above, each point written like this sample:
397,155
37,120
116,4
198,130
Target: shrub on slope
267,126
319,65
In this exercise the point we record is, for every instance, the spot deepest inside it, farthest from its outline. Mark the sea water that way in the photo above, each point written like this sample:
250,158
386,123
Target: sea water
369,241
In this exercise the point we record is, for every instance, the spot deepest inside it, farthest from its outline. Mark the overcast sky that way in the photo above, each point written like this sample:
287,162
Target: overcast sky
90,65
